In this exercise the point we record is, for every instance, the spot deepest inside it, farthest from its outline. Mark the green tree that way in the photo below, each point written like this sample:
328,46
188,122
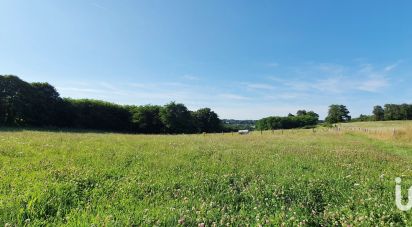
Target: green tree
40,105
177,118
207,121
16,100
301,113
46,104
146,119
302,119
404,111
378,113
338,113
392,112
100,115
363,118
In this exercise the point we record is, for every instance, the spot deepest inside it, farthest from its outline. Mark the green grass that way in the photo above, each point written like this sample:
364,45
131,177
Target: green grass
295,177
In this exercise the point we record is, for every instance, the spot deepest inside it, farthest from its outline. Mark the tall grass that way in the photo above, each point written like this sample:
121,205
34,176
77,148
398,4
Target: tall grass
291,177
395,131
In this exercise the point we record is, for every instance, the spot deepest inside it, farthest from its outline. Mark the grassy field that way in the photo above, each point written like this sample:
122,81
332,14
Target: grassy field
294,177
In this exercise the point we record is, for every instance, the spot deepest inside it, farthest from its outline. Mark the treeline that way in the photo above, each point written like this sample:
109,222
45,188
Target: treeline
301,120
389,112
393,112
40,105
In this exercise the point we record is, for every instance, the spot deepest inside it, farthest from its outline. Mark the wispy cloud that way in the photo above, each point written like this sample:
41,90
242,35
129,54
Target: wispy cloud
190,77
98,5
108,86
393,66
373,85
301,86
260,86
257,111
334,78
80,90
374,80
231,96
287,96
329,68
273,64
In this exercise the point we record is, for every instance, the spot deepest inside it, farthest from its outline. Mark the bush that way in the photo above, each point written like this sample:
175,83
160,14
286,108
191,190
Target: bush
303,119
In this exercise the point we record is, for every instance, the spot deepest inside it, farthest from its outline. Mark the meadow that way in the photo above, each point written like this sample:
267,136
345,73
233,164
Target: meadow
291,177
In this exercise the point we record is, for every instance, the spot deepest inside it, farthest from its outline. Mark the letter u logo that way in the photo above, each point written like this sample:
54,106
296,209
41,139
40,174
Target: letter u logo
398,196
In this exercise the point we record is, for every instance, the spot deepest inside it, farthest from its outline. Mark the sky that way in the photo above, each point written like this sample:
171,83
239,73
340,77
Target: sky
243,59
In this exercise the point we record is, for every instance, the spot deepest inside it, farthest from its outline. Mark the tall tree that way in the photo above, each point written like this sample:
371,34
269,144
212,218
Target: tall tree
16,99
301,113
207,121
146,119
177,118
404,111
378,113
338,113
46,103
392,112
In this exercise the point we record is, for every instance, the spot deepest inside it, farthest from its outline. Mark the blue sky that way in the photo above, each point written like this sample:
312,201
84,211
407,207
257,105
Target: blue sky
244,59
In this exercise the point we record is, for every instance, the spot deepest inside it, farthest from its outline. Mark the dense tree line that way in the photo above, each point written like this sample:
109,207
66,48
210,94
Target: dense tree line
40,105
389,112
393,112
302,119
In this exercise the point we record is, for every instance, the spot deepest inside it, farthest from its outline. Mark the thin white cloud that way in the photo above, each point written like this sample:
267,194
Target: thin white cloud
331,85
373,85
98,5
161,85
260,86
287,96
335,79
329,68
373,80
108,86
275,78
139,85
256,111
190,77
80,90
313,84
273,64
231,96
393,66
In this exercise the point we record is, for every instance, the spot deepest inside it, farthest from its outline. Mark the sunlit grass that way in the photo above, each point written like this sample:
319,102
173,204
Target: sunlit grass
306,177
395,131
